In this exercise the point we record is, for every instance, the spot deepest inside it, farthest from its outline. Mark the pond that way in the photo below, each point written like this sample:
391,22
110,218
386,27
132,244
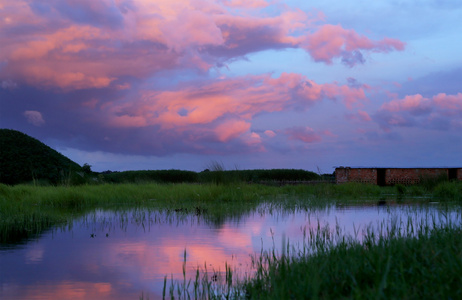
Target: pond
126,254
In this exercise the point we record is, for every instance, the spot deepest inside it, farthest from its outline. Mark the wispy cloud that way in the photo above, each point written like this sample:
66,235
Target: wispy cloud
34,117
333,41
304,134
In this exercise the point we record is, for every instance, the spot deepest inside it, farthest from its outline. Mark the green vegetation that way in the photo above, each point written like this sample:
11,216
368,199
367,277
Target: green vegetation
217,176
406,267
268,176
160,176
405,261
25,159
27,210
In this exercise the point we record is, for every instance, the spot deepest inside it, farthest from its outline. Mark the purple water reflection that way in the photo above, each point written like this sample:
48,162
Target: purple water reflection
120,255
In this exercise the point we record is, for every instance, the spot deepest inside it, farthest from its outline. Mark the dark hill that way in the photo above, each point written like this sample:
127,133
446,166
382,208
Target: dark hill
24,159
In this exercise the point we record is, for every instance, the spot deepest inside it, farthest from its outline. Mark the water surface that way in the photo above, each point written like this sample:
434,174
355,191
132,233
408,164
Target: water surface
124,254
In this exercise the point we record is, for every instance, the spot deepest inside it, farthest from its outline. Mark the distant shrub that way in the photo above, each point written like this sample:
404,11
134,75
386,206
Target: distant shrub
430,182
448,190
257,175
415,190
162,176
400,189
86,168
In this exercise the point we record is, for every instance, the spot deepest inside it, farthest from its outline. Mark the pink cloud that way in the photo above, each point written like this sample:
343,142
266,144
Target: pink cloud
439,112
220,111
359,116
246,3
128,121
349,95
309,90
200,27
270,133
34,117
254,141
109,40
415,103
329,133
231,129
242,97
364,116
90,103
450,102
333,41
304,134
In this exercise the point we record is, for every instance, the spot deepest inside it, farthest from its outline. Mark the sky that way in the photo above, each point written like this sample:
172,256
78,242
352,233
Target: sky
251,84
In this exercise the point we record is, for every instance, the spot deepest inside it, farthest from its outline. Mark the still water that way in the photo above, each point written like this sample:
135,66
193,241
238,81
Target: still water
126,254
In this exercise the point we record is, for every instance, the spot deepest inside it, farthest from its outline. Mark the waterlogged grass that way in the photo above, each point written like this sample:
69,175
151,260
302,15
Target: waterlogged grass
406,261
426,266
27,210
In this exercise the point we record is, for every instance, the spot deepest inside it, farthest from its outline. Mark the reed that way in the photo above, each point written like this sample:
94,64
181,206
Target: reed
411,261
426,266
26,210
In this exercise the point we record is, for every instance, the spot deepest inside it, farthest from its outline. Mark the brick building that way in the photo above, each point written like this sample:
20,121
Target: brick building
392,176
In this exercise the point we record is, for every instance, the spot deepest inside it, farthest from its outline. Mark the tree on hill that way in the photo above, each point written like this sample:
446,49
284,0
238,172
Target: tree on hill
24,159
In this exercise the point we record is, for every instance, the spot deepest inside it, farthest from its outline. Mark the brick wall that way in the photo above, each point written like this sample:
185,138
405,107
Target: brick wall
365,175
341,175
412,176
393,176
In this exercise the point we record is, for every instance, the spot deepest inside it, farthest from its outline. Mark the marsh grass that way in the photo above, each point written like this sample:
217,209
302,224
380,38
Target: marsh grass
424,266
420,260
449,190
27,210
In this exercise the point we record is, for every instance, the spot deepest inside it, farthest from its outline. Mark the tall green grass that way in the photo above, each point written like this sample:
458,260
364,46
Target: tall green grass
406,261
407,267
26,210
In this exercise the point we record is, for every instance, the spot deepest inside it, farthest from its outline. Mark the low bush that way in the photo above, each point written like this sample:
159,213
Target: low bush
448,190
